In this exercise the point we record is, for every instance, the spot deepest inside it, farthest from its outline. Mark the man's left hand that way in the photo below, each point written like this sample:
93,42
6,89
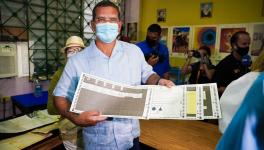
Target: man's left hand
167,83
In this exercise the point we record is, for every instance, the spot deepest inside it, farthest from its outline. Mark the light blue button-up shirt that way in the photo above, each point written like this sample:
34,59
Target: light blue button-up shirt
126,65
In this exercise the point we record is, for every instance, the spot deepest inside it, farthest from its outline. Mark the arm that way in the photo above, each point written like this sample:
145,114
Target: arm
167,67
166,75
209,72
65,88
88,118
153,60
186,69
154,79
149,77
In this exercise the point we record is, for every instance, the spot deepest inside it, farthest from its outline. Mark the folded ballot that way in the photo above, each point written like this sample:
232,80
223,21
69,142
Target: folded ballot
112,99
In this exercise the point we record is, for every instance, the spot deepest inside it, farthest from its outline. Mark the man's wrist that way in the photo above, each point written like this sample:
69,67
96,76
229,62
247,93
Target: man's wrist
157,83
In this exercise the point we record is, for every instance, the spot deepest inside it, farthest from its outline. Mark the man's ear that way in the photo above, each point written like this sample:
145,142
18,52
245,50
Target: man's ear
234,46
120,23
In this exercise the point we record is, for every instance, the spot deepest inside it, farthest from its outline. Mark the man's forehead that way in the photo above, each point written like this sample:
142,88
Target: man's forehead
243,37
153,33
106,12
106,16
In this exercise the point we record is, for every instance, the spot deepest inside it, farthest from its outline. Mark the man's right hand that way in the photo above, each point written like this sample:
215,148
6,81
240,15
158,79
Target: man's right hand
88,118
153,60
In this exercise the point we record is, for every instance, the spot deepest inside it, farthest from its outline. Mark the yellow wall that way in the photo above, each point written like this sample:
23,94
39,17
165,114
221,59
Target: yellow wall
187,12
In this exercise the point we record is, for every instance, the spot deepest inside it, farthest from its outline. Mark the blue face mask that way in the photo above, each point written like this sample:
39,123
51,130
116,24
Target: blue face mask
107,32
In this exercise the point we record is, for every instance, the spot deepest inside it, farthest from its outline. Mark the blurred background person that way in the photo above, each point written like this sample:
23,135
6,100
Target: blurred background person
232,66
246,130
234,95
156,53
70,133
201,71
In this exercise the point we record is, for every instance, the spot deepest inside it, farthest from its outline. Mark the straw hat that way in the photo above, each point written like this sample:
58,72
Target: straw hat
73,41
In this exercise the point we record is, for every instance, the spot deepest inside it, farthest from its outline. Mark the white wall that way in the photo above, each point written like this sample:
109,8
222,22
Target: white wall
132,11
22,59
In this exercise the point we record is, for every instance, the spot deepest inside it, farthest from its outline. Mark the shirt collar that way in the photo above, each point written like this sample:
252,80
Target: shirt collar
96,51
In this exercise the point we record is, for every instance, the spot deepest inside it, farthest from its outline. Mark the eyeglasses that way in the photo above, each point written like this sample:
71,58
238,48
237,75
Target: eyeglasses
104,20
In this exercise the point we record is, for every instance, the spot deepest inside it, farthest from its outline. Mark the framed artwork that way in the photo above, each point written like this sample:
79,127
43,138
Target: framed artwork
206,10
180,39
257,45
161,15
225,36
132,31
205,36
164,35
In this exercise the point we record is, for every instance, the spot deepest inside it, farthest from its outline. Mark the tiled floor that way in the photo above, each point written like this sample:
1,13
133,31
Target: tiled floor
15,86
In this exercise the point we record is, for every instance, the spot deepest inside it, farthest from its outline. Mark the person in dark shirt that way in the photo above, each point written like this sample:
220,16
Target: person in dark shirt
245,131
231,67
201,71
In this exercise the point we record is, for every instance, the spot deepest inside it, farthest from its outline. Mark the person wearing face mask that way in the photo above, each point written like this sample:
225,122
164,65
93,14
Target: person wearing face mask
242,119
115,60
70,133
201,71
231,67
156,53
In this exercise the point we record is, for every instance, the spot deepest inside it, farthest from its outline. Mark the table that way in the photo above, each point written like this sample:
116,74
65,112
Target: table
50,143
179,134
28,103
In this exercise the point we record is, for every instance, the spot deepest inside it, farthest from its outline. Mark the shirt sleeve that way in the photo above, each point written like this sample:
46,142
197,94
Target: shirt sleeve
67,83
220,75
146,69
167,60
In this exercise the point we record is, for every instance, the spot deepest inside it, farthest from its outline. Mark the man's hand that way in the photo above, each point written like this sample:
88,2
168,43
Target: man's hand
167,83
153,60
88,118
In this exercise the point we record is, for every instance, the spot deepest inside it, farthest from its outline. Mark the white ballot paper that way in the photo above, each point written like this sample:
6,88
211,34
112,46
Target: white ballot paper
112,99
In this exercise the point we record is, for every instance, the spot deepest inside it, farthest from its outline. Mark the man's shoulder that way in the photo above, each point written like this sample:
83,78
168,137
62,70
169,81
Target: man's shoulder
226,60
128,47
163,46
126,44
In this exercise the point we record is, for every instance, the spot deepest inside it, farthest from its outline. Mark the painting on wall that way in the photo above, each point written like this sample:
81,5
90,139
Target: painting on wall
257,45
180,39
161,15
225,36
132,31
206,10
164,35
205,36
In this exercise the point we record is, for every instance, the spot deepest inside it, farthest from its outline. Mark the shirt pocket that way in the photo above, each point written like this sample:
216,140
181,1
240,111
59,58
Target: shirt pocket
98,135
